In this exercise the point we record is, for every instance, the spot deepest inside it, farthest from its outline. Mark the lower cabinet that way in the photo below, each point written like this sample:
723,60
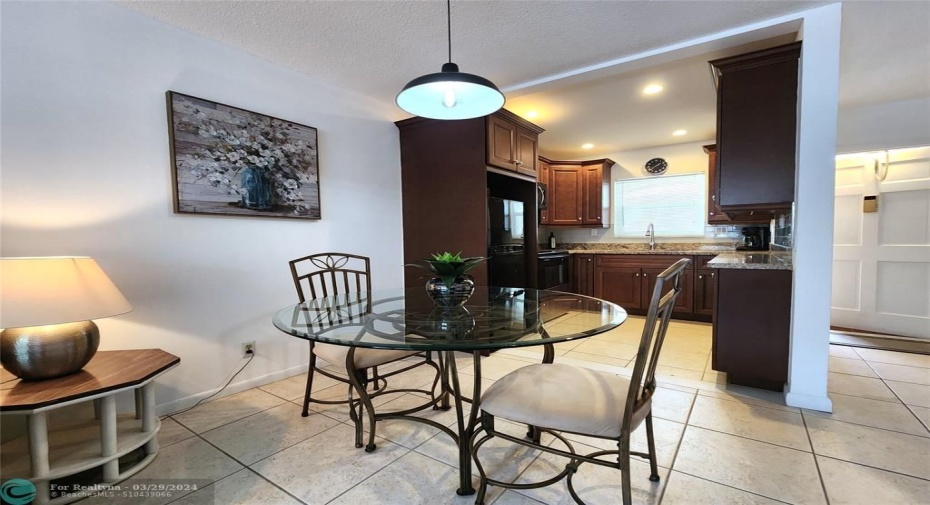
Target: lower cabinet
583,274
704,291
629,280
752,323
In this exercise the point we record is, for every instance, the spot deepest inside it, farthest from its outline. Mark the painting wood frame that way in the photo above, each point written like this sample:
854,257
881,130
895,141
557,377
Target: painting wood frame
231,161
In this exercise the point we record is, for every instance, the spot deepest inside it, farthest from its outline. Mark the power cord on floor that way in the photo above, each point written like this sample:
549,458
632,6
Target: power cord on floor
251,357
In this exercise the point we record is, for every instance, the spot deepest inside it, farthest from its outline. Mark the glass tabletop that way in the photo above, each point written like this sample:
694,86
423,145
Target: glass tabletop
492,318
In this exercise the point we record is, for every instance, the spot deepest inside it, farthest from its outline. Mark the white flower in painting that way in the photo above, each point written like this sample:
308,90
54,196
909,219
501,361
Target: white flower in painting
290,184
233,156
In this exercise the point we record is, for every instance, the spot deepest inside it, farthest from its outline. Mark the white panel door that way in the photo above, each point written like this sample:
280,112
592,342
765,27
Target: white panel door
881,261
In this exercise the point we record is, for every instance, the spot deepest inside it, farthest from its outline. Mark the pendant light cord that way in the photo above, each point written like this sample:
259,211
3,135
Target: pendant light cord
449,26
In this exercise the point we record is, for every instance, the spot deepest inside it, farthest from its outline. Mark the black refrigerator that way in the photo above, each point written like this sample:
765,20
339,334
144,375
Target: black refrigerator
506,248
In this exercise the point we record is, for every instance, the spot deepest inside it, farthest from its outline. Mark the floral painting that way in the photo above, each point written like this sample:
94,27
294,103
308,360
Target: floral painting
232,161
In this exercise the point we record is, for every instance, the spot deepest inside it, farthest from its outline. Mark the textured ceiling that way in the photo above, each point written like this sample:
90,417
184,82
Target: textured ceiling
375,47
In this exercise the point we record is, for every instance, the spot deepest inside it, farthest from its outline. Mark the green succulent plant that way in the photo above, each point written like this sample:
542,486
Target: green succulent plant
448,266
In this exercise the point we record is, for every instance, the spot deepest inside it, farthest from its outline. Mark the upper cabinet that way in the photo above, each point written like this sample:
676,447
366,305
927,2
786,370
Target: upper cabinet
757,96
579,192
513,143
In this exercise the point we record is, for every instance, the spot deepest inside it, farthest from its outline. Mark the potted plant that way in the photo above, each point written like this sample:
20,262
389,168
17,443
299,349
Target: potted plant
451,286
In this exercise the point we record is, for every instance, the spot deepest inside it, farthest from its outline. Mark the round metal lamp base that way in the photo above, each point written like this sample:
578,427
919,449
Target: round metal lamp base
45,352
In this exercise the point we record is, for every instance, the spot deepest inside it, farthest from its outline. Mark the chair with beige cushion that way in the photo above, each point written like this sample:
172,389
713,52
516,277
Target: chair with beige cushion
331,274
558,398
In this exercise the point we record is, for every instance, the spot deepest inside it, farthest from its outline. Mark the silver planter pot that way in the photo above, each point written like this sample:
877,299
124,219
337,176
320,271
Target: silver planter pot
45,352
450,296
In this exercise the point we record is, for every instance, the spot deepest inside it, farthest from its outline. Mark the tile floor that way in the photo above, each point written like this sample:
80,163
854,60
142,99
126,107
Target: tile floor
716,444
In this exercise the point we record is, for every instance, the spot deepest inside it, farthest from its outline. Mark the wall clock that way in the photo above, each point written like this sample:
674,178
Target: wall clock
656,166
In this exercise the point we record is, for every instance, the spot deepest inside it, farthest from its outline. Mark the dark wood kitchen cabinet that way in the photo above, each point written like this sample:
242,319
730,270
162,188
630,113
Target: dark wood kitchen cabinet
583,274
577,195
446,178
717,216
629,279
513,143
752,324
756,129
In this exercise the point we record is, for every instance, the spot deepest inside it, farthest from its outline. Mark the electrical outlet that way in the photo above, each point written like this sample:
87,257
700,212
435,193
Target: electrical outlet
248,349
593,232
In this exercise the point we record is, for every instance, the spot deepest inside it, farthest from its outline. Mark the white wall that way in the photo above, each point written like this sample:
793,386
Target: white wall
884,126
686,158
86,171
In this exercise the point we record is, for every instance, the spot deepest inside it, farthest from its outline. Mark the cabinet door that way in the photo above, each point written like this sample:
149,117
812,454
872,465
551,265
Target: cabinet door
583,274
757,128
544,178
704,292
565,195
593,181
621,285
684,303
527,151
714,214
502,143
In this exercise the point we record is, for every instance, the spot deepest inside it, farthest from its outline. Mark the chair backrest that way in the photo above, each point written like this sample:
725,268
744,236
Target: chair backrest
642,382
330,274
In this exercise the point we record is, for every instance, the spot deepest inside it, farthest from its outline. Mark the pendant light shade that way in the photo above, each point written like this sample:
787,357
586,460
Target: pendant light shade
450,94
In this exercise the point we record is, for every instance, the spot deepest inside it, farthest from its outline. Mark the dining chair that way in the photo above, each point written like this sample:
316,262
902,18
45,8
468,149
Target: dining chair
559,398
331,274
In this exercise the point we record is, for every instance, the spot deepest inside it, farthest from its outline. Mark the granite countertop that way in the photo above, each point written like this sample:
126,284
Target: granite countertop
640,248
752,260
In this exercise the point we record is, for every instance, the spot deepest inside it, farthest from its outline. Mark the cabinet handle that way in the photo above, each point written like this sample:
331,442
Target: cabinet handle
711,213
517,162
637,274
579,218
711,275
598,218
589,260
700,277
713,198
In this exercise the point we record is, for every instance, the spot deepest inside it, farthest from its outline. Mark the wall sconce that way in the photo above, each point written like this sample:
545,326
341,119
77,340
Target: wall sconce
47,306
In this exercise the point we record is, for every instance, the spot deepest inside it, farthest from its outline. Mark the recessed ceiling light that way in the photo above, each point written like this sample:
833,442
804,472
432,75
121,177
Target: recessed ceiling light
587,146
679,133
652,89
530,114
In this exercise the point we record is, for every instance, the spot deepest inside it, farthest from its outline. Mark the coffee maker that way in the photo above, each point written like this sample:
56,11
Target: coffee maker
755,238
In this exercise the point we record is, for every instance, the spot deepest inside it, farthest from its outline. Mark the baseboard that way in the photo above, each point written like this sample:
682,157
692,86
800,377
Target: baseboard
811,402
236,387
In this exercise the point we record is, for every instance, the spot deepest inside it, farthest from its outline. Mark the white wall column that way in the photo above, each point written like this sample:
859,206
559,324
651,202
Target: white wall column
813,217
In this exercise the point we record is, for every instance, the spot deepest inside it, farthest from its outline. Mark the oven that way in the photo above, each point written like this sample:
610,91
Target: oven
554,268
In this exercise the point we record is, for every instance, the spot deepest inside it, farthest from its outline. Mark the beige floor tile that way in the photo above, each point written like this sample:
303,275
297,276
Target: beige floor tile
511,497
191,461
226,410
593,483
901,373
888,450
494,367
172,432
851,484
758,423
414,479
851,366
259,436
690,344
750,396
842,351
922,413
684,489
874,413
675,372
325,466
765,469
609,349
622,335
911,394
240,488
293,388
594,358
854,385
686,360
895,358
499,457
667,437
672,405
714,377
339,411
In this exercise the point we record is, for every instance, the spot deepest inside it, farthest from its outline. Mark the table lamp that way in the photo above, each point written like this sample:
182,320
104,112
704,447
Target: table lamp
46,307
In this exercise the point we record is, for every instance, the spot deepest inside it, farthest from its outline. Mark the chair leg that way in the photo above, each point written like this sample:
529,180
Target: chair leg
625,469
306,411
650,438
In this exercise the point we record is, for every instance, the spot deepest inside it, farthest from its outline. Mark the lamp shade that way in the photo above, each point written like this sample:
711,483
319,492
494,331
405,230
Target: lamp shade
450,94
53,290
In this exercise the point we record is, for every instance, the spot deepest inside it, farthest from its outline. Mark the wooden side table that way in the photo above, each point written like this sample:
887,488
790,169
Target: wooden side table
99,442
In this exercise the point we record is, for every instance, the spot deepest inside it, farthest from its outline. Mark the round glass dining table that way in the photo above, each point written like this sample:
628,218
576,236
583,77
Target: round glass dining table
407,319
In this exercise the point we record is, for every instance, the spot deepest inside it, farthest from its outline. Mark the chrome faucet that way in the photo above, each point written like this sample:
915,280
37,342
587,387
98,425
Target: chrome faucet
651,233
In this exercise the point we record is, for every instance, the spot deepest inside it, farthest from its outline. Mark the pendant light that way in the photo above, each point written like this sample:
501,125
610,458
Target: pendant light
450,94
